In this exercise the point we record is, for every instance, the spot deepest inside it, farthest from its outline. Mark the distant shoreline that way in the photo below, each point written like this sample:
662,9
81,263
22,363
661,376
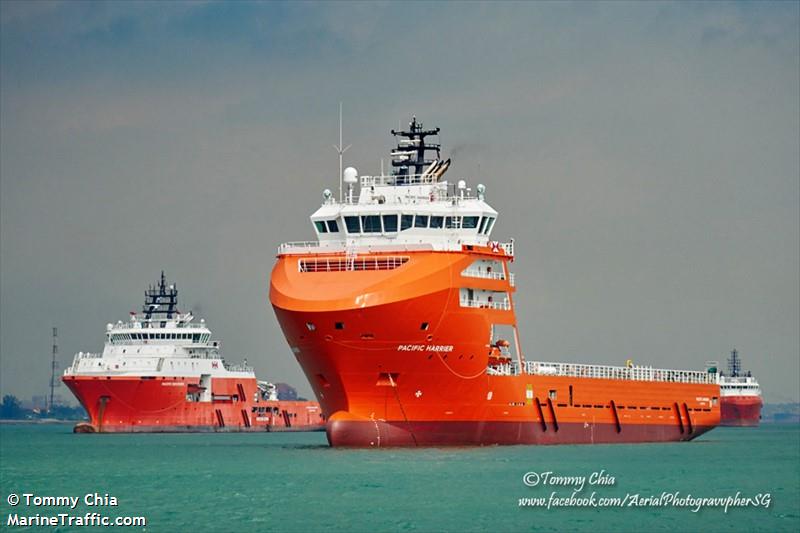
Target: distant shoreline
38,421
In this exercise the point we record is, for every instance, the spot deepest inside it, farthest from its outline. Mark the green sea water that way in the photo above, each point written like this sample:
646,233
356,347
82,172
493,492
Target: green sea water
295,482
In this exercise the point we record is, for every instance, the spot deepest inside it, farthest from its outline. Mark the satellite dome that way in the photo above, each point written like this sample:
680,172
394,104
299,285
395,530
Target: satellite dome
350,175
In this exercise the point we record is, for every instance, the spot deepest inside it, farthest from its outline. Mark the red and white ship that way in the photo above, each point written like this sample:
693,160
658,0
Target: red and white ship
401,315
161,372
740,395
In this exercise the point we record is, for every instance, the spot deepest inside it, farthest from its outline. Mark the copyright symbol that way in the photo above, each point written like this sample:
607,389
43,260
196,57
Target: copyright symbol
531,479
13,500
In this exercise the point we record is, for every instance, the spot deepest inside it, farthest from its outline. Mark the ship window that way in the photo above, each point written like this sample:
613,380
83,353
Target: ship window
352,224
452,222
310,326
483,225
423,326
196,337
436,222
489,225
406,221
320,226
371,223
421,221
470,223
333,227
339,325
390,223
552,394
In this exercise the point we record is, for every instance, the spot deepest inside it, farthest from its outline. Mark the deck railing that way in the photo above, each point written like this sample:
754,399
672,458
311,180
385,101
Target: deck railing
286,247
633,373
482,304
477,273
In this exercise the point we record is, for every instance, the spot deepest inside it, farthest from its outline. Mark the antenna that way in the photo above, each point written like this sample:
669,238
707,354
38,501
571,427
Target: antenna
340,151
53,367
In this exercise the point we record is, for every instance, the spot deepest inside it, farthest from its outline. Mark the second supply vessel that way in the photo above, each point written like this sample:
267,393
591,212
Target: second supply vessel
740,395
161,372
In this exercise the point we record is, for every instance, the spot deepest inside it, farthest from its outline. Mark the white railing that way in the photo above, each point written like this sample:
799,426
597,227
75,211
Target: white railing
238,368
508,247
291,246
155,323
505,369
482,304
87,355
512,279
411,179
633,373
477,273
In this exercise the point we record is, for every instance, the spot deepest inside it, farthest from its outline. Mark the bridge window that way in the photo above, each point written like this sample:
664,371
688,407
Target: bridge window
489,225
333,227
436,222
452,222
320,225
390,223
421,221
483,224
371,223
469,223
352,224
406,221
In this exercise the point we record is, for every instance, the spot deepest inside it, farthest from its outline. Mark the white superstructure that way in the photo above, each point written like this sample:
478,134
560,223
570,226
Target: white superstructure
159,342
411,209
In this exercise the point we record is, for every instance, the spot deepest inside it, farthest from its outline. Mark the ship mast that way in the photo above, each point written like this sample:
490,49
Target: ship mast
340,150
734,364
53,367
413,146
160,300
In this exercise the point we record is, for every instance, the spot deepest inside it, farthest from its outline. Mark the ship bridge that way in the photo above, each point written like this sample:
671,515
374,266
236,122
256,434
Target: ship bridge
413,207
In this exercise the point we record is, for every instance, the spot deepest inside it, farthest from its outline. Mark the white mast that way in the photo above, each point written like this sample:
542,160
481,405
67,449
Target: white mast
340,151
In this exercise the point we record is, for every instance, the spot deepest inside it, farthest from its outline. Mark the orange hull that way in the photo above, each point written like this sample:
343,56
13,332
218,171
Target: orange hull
148,404
395,360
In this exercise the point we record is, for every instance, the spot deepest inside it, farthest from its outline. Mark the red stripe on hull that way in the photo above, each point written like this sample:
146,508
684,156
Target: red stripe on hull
144,405
349,433
740,411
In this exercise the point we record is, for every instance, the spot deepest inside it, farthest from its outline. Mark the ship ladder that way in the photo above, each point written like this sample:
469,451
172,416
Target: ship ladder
688,418
552,413
616,416
540,413
678,414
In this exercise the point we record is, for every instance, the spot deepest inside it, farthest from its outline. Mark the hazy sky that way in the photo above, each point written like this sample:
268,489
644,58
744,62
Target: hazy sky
645,157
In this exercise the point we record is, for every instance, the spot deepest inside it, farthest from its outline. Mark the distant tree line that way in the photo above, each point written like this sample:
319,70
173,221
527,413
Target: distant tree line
11,409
